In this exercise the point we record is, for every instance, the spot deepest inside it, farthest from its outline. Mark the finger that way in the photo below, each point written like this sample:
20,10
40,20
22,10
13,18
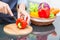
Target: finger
28,20
1,6
25,16
18,14
9,10
1,10
5,10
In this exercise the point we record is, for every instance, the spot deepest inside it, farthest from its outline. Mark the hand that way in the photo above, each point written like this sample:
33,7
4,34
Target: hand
23,14
4,8
26,16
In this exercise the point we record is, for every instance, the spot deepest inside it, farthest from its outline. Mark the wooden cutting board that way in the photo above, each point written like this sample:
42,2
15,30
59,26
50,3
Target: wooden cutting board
12,29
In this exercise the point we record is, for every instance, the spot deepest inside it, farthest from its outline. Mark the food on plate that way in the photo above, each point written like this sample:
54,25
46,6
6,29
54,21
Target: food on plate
52,15
34,10
55,11
51,9
34,14
33,7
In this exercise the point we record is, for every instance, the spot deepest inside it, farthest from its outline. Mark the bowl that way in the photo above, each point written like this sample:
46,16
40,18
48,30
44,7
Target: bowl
42,21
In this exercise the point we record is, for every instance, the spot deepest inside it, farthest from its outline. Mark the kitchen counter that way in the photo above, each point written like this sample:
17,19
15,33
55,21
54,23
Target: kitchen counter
39,33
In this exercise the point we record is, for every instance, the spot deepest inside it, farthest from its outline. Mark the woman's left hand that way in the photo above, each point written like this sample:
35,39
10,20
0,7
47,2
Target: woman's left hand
23,13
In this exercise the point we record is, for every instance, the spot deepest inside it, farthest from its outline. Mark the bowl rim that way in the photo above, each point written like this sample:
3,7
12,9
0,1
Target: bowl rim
43,19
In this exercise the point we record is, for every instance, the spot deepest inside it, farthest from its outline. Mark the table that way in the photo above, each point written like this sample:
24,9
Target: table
39,33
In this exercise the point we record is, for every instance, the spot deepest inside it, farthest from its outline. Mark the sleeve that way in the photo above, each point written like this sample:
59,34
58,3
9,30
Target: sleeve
23,1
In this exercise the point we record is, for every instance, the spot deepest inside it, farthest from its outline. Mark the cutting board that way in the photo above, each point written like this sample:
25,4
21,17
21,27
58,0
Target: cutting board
12,29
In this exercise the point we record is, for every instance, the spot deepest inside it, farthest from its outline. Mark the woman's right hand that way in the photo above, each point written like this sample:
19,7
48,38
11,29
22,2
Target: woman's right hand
4,8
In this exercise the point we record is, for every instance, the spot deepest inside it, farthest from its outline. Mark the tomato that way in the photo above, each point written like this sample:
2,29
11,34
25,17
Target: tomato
21,23
44,10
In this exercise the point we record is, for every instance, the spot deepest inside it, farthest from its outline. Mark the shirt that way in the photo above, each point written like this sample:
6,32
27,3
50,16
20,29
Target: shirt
11,3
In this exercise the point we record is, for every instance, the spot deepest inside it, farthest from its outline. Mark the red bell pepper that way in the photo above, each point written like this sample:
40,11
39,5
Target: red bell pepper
44,13
44,10
21,23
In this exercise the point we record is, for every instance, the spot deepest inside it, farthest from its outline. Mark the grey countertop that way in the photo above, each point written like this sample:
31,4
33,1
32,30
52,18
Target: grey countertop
42,31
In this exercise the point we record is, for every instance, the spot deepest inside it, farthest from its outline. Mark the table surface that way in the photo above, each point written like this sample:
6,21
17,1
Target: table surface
41,31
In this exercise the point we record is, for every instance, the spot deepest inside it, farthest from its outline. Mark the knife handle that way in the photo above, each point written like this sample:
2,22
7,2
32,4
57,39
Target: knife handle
14,18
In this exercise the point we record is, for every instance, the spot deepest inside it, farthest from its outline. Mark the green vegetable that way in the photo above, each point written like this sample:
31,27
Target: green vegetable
51,15
33,7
